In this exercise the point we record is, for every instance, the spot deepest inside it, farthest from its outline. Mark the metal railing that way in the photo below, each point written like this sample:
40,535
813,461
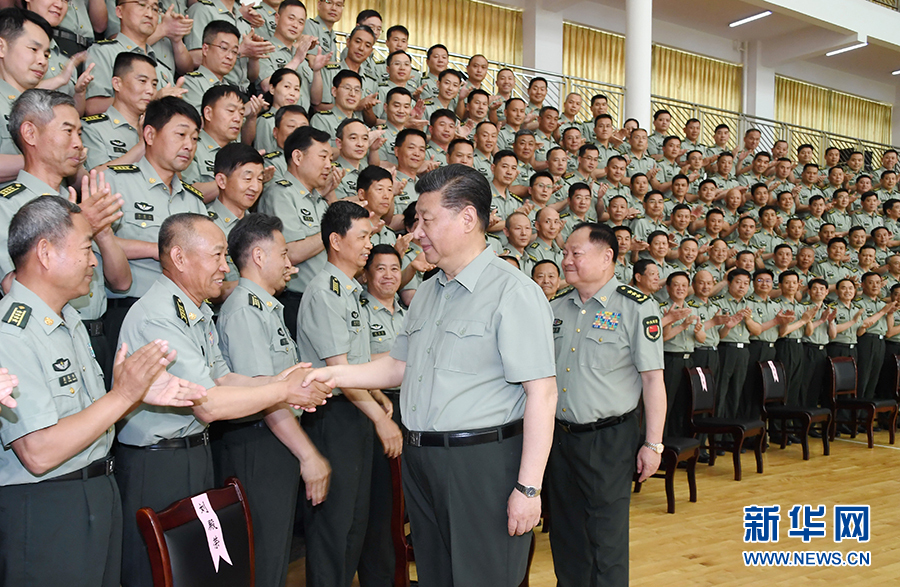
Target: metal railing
559,86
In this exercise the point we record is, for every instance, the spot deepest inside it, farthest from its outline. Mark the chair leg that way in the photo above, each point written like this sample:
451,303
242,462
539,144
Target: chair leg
870,424
692,475
832,426
671,467
637,486
738,442
892,428
854,423
784,433
804,437
826,446
759,451
712,449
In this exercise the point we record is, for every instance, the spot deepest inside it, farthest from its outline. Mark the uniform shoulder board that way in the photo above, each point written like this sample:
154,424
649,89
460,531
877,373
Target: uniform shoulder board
363,301
94,118
268,114
193,190
283,183
18,315
335,285
255,302
379,62
533,258
329,66
693,303
214,215
664,304
491,235
370,76
11,190
562,292
718,298
324,113
416,69
517,198
569,176
124,168
564,215
634,294
194,73
108,41
382,84
181,312
857,299
272,155
207,2
428,102
534,245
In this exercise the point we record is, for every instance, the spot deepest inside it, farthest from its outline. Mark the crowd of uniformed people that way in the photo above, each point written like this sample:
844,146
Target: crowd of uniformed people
206,195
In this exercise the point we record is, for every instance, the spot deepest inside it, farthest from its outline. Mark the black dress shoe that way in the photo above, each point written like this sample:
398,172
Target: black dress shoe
703,458
795,439
844,429
877,429
861,429
815,434
720,452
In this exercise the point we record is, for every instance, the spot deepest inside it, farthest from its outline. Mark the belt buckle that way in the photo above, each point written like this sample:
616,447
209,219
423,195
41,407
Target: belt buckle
414,438
686,356
740,345
110,466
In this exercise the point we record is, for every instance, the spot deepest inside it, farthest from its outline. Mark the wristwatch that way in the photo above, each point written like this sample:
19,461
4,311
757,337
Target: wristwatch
657,448
527,490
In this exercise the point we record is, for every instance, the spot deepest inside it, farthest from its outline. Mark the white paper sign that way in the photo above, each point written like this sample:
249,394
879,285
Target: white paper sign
213,528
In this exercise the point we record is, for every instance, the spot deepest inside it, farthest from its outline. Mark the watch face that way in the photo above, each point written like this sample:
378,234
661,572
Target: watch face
530,491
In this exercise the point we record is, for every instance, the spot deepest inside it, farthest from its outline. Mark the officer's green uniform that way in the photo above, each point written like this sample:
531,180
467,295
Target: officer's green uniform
845,343
436,152
103,54
677,354
506,136
8,95
750,179
78,22
54,532
107,136
887,383
202,168
706,354
197,83
268,13
278,59
377,560
644,225
871,348
602,347
205,11
762,348
384,87
833,272
329,120
624,271
618,190
655,143
386,151
347,187
226,220
379,68
408,195
642,164
483,163
265,125
571,221
543,144
724,183
58,62
329,324
789,350
255,341
163,453
277,160
867,221
666,171
842,220
327,37
301,212
540,250
815,362
385,236
12,197
734,357
328,73
465,361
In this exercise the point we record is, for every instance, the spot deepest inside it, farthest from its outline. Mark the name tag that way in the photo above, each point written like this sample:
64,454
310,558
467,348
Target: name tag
68,379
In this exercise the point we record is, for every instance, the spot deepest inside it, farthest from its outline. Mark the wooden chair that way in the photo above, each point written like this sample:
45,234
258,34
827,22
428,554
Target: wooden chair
403,549
774,409
178,548
703,421
677,449
843,397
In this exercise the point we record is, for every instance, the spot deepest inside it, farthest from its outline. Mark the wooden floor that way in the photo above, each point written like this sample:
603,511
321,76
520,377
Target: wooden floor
701,544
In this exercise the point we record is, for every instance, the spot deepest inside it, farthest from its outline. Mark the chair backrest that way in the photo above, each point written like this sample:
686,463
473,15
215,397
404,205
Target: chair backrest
843,376
178,546
774,389
895,381
703,391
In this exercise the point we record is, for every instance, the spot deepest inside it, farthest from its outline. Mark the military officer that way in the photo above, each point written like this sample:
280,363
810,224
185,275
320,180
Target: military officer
871,334
345,89
173,443
287,120
267,451
680,335
221,40
61,518
766,316
253,47
734,342
459,400
789,348
608,340
815,339
544,246
328,12
300,201
352,142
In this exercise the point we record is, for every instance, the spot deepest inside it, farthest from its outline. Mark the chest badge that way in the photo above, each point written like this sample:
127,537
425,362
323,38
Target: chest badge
61,365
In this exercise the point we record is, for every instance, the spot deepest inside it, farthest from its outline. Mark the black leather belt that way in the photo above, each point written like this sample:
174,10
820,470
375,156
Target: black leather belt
599,424
846,344
235,426
94,327
820,347
70,36
880,336
684,356
739,345
201,439
103,467
464,437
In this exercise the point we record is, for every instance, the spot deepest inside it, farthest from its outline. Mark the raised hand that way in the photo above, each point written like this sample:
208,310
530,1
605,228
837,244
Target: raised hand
99,206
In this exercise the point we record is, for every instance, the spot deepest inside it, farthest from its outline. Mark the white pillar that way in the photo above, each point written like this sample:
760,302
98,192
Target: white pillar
895,119
542,40
759,89
638,59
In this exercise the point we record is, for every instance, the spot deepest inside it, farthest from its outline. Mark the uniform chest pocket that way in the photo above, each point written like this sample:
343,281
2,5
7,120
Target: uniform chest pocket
144,216
463,346
603,350
67,391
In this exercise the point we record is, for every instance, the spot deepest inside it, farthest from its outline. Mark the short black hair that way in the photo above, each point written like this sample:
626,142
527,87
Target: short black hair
302,139
578,185
216,27
248,231
477,92
12,23
397,28
345,74
600,234
534,80
398,91
287,3
160,112
289,109
338,219
432,49
212,96
441,113
390,58
460,75
545,262
176,226
366,14
406,133
737,272
459,186
381,249
499,155
125,62
339,131
535,176
234,155
457,142
370,175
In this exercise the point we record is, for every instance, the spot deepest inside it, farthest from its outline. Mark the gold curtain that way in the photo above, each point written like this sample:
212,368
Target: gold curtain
463,26
600,56
693,78
832,111
594,55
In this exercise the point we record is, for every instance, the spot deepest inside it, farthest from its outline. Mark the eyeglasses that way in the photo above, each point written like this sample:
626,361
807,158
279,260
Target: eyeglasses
228,49
351,89
143,5
332,3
